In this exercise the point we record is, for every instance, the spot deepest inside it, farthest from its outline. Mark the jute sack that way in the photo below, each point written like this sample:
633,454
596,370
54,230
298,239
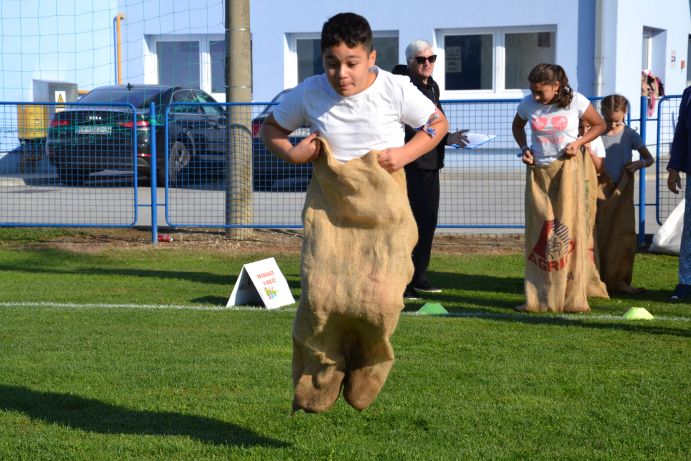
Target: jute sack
359,233
616,231
556,246
596,288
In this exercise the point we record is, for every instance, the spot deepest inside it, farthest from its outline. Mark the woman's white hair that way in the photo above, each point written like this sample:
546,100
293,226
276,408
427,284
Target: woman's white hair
415,47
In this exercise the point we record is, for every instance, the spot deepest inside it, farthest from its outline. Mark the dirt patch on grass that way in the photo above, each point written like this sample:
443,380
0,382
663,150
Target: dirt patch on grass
269,241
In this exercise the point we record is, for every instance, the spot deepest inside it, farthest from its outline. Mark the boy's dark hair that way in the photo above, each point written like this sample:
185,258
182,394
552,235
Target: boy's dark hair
614,103
349,28
549,74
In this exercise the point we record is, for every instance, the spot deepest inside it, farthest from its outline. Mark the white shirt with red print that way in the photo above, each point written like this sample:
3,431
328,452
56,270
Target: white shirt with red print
552,128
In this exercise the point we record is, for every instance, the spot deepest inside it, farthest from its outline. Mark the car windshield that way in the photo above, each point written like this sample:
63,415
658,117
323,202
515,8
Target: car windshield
138,97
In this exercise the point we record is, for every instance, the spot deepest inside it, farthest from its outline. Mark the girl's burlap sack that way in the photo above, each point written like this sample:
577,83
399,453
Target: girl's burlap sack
596,288
359,233
556,246
616,231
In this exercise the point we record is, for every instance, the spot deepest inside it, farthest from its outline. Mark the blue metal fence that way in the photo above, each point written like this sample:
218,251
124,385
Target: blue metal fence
216,172
77,178
667,115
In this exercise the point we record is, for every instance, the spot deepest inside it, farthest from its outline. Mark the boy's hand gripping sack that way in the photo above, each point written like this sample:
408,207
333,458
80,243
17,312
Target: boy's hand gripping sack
359,233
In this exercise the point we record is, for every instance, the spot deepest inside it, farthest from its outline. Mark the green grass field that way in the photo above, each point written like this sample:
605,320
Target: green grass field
127,354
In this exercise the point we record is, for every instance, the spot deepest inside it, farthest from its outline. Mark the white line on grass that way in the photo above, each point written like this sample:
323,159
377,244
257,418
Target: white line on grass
467,314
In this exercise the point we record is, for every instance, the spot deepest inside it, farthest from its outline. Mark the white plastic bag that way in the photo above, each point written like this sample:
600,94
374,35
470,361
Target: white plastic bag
667,239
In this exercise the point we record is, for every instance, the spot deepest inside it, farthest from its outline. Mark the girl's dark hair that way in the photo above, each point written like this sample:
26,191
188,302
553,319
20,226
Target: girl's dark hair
349,28
614,103
549,74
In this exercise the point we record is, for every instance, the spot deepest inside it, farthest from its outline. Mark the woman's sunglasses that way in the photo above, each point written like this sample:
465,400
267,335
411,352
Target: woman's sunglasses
422,59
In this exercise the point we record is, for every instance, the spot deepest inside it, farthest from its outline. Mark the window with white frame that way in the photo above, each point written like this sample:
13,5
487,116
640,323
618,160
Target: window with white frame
196,61
306,52
492,60
178,63
217,52
653,51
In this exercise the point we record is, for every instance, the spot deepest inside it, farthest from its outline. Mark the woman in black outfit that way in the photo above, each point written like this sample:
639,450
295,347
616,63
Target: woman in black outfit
422,175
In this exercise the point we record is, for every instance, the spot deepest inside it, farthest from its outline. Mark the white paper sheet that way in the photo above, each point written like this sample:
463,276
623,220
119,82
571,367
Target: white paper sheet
475,140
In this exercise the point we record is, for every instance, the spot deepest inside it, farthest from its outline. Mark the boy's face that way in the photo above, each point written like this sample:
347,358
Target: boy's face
583,127
347,69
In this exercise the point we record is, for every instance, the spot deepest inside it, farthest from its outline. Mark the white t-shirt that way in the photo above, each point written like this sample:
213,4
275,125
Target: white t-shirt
353,125
598,147
552,128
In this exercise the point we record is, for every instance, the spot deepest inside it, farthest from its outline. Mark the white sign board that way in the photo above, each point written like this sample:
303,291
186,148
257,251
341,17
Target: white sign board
261,283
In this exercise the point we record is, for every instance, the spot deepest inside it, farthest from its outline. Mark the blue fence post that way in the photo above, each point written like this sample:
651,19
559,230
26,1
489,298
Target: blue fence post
641,176
152,175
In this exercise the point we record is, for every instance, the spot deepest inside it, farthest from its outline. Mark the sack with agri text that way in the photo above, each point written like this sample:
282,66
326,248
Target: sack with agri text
596,288
556,245
359,233
616,232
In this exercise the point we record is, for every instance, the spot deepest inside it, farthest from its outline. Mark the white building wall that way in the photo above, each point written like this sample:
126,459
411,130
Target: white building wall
626,20
412,20
73,40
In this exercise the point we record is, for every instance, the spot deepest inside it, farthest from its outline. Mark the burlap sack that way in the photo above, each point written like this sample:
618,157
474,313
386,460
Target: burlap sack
556,246
616,232
596,288
359,233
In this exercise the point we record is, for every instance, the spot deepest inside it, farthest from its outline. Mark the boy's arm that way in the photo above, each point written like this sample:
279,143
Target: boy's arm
597,161
395,158
275,138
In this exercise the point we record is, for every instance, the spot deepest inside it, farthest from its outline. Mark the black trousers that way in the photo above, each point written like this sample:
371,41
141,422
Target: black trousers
423,194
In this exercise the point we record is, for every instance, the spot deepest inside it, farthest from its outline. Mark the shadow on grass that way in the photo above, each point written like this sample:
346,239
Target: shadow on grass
477,283
197,277
502,309
94,416
574,320
513,286
51,261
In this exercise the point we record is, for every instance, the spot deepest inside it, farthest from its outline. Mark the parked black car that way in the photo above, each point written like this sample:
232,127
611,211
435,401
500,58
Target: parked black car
271,173
97,133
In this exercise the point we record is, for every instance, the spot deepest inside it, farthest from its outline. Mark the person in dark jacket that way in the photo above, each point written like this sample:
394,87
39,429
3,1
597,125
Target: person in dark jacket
422,175
680,160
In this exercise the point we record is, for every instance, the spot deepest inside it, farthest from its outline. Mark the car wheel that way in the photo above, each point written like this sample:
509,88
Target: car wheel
178,160
71,176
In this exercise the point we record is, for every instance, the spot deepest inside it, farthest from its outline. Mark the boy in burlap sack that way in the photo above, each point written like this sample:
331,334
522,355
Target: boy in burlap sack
616,222
359,230
556,236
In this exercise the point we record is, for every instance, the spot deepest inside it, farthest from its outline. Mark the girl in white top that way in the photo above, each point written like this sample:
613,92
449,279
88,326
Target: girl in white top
553,110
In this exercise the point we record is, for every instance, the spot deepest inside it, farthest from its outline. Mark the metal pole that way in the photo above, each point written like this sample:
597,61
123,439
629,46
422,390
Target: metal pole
641,176
152,173
118,47
238,200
